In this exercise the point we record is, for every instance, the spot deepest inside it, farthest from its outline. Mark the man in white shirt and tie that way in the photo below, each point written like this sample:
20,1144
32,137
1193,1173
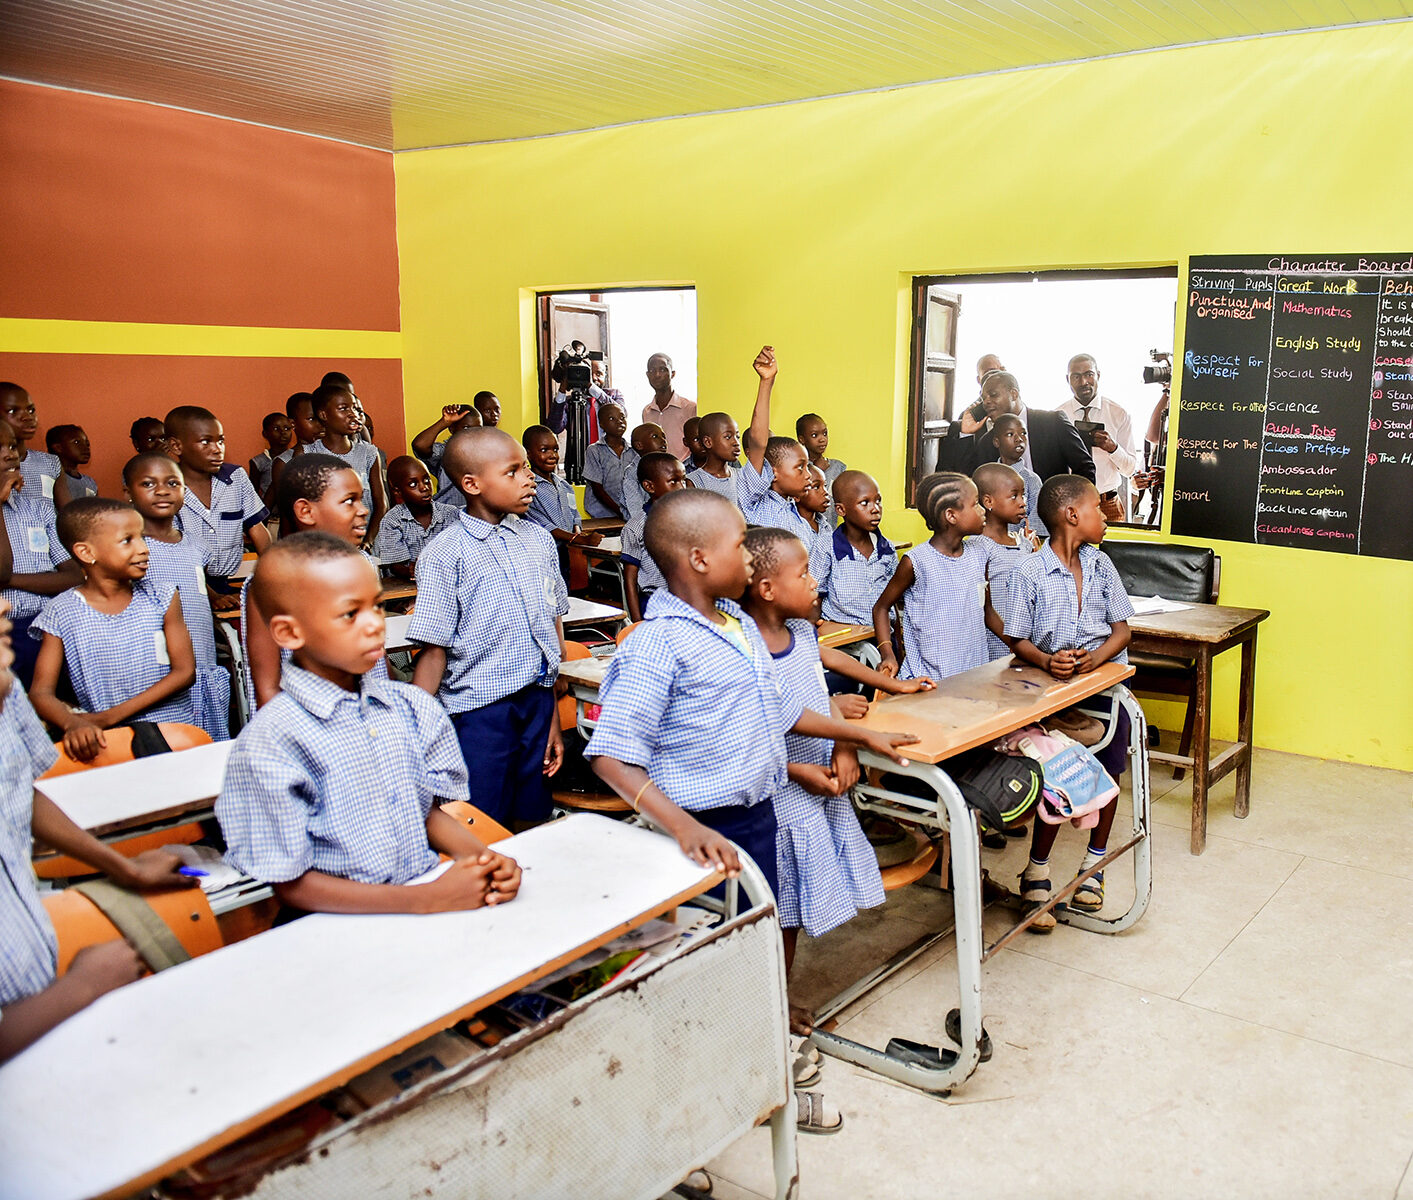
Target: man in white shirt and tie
1112,447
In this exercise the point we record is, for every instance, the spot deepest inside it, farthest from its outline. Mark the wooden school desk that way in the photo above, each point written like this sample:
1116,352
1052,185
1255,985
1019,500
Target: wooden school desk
1201,632
606,561
837,635
587,612
611,1095
603,525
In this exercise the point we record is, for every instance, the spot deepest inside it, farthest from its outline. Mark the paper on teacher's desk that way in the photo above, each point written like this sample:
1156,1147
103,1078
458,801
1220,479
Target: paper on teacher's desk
1147,605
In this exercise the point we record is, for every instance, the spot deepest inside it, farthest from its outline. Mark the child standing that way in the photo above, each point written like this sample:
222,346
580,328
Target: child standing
1068,613
854,564
490,599
1008,432
299,408
692,439
1002,495
946,614
337,410
554,508
122,639
221,507
777,468
644,440
69,443
454,418
658,474
488,406
813,434
154,484
148,436
605,466
278,431
413,520
43,472
813,503
721,447
332,791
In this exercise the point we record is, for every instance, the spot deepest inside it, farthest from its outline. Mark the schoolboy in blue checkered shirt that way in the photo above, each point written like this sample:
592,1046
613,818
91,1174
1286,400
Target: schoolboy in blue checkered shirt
489,602
693,722
1068,613
332,792
853,563
776,473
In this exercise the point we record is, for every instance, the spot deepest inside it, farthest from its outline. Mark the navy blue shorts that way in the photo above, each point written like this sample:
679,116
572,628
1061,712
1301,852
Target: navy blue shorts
26,650
1114,756
504,748
752,827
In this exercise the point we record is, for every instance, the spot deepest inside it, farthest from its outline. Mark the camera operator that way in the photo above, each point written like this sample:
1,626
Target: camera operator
1107,430
558,416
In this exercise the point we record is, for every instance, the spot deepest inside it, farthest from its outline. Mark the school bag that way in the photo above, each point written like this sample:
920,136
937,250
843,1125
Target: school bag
1003,789
1076,784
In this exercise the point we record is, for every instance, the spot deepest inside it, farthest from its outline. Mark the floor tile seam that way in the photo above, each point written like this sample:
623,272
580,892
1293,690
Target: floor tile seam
1402,1179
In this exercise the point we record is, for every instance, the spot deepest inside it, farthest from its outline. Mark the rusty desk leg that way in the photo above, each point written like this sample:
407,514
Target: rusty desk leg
1201,748
1246,710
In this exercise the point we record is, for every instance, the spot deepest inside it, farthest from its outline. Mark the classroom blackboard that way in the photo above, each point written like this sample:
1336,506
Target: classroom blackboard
1296,419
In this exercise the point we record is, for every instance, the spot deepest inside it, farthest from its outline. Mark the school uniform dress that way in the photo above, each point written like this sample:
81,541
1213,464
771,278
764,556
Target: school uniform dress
635,553
447,492
635,499
113,657
221,528
832,469
700,708
490,595
324,779
36,550
81,486
553,506
182,565
704,479
604,467
362,458
264,466
1042,608
29,951
849,583
40,469
401,536
763,506
827,869
1032,501
1001,561
944,615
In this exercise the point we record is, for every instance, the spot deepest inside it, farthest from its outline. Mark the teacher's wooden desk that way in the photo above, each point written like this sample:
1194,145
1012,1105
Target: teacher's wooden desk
622,1093
1201,632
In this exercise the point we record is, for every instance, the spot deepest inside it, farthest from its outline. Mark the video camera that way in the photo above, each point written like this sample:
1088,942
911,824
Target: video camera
572,368
1162,369
573,371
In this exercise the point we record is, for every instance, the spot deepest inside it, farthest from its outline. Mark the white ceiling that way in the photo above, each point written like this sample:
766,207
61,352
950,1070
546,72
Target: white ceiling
402,74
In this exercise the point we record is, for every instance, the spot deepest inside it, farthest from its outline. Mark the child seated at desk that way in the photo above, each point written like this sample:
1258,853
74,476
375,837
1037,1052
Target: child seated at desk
413,520
645,439
854,563
155,486
331,793
122,638
32,1002
69,444
1068,613
554,508
658,474
943,582
608,464
489,606
721,448
776,473
1002,493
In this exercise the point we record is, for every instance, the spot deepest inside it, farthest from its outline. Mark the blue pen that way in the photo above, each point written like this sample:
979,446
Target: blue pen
192,872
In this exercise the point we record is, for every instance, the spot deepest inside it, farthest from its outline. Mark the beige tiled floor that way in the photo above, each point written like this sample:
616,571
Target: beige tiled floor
1251,1037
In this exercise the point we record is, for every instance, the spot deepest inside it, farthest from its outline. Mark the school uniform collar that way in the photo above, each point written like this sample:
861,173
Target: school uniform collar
1051,561
665,603
481,530
843,548
320,698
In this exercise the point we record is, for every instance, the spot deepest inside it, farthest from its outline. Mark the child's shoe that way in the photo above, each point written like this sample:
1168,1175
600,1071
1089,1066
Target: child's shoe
1037,891
1089,896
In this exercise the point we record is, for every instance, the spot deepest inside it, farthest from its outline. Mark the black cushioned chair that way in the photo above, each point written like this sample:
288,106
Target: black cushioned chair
1191,574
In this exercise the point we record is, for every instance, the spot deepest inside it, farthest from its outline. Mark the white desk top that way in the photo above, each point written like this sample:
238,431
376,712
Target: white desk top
586,612
396,636
146,789
131,1087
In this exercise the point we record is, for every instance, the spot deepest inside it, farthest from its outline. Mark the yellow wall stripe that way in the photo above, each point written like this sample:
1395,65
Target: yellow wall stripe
24,336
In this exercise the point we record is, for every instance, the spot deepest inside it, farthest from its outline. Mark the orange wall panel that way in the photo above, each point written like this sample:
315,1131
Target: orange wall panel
106,393
113,210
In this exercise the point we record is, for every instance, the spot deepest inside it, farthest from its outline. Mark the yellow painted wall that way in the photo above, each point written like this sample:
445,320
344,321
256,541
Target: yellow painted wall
802,225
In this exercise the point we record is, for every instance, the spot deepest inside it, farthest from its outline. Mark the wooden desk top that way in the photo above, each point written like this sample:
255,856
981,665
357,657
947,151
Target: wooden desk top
603,525
835,634
398,589
588,672
978,706
142,792
1203,623
610,547
180,1063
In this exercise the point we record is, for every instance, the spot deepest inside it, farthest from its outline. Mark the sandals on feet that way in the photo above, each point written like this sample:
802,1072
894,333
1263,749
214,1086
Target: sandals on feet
1089,896
1037,891
806,1070
816,1115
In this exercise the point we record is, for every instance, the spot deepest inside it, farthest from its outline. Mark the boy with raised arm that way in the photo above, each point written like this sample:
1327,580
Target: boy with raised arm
776,473
413,520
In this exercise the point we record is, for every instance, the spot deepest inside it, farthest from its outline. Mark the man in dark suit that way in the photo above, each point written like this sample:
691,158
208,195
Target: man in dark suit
1053,444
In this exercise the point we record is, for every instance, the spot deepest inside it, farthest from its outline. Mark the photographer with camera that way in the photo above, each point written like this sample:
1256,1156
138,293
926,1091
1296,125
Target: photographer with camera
574,408
1107,430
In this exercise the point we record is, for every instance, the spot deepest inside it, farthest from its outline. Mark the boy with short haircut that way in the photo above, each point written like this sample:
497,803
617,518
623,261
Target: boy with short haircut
148,436
337,410
554,507
1008,432
776,473
721,445
221,508
813,503
299,408
33,562
854,563
1068,613
278,431
488,406
813,434
42,471
332,792
69,443
454,418
413,520
658,474
490,599
692,439
606,466
645,439
1002,496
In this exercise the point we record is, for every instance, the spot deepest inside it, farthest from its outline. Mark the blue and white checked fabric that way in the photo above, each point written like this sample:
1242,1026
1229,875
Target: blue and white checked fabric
234,508
181,565
363,458
323,779
682,701
634,498
81,486
604,467
1001,562
447,492
764,506
827,869
944,615
40,469
553,506
1043,610
704,479
489,595
1032,501
112,657
850,584
401,536
635,551
34,546
264,466
832,469
29,952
